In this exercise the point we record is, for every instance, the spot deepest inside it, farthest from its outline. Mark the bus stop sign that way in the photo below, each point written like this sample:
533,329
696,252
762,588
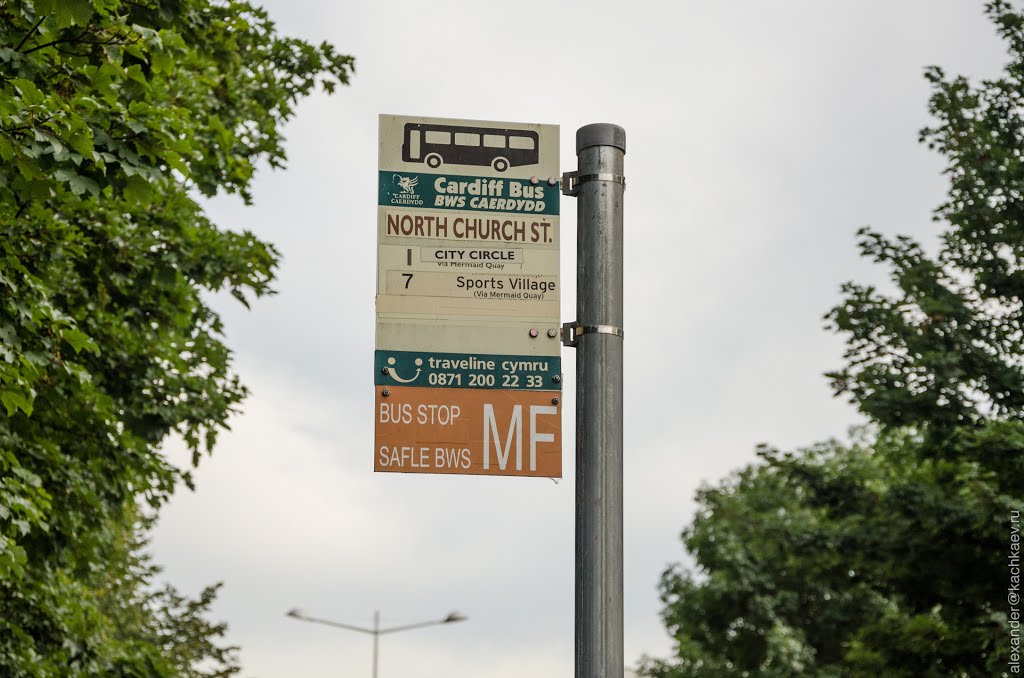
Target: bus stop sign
467,368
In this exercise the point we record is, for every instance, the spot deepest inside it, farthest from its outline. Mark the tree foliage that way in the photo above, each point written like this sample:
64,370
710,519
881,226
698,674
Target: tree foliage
947,349
114,117
871,559
146,619
887,557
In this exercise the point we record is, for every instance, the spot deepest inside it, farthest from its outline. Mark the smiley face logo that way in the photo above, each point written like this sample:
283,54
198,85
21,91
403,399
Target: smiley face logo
394,375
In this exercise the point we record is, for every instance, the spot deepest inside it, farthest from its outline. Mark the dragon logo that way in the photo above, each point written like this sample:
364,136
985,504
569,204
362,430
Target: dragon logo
407,184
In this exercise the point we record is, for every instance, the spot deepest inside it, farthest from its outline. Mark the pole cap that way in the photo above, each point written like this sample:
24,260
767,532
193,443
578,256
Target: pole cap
600,134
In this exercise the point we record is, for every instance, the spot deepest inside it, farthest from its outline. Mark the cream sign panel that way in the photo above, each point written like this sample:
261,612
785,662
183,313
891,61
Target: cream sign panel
468,352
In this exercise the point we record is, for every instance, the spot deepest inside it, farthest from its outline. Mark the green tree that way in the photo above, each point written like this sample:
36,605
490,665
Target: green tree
871,559
888,556
114,117
155,621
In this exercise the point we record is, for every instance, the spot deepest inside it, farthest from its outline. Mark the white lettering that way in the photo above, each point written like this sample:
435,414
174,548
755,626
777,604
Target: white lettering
535,437
515,428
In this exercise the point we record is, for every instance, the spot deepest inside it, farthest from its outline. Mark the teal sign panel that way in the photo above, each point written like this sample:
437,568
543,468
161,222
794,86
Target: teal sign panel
462,370
472,194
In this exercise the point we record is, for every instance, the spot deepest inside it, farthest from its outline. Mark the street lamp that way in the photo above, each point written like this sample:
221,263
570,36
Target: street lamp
376,631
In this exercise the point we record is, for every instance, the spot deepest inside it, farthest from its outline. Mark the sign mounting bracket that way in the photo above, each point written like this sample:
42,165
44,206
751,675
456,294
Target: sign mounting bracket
571,181
571,332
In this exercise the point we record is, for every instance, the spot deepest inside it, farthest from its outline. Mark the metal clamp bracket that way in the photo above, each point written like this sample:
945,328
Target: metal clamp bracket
571,332
571,181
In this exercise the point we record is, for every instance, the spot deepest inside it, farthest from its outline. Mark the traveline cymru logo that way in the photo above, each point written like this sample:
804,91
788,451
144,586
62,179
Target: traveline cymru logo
406,193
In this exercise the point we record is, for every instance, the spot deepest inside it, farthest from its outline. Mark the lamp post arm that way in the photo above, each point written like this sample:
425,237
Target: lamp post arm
407,627
339,625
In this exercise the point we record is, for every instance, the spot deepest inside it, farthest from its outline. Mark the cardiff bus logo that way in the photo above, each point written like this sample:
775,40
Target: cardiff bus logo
406,195
496,147
407,184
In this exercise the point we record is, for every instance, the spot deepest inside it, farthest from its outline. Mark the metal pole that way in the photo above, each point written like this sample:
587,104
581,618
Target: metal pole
598,334
376,639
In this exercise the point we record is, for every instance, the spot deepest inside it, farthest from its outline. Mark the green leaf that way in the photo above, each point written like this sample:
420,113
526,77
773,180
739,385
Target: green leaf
79,340
137,190
134,72
82,142
174,161
30,94
14,401
67,12
12,560
6,150
79,184
161,60
237,294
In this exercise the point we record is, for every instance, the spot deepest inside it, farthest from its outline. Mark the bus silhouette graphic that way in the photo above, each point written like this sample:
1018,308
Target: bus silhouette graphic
461,145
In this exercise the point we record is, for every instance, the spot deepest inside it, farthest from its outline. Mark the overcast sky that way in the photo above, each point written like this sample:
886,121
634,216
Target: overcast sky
760,135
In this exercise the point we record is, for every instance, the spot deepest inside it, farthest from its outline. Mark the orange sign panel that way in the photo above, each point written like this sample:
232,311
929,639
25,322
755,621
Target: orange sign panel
468,431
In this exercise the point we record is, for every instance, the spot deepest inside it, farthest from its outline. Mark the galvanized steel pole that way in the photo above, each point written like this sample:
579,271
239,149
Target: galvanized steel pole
598,336
376,641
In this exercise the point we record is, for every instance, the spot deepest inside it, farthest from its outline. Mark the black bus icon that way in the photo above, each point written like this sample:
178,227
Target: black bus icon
459,145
